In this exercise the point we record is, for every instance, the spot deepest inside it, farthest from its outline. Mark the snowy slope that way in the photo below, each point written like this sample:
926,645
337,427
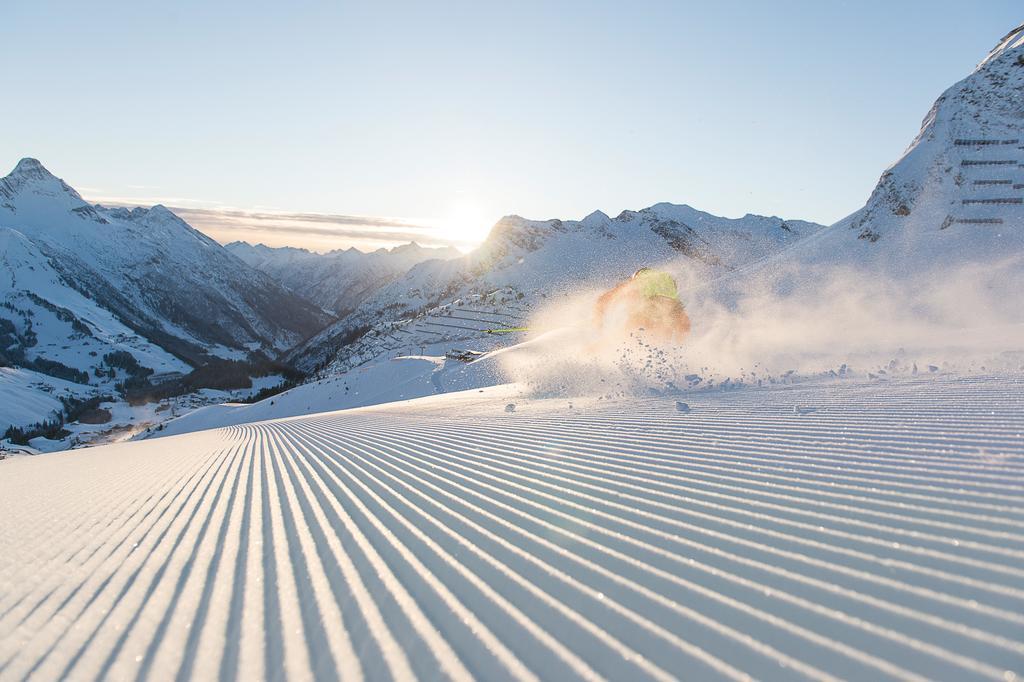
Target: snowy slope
531,260
957,194
163,279
448,538
51,322
27,397
70,327
339,280
382,380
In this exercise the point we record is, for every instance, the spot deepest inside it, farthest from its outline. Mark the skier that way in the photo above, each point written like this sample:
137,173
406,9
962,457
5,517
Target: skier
649,300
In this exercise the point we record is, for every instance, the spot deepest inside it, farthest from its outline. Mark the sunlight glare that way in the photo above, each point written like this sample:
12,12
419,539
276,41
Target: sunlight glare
466,223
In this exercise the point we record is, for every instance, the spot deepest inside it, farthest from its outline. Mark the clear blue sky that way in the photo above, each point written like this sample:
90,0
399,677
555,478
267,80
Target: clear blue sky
452,114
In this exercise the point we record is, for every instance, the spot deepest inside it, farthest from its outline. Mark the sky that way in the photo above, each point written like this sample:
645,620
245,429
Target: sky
327,124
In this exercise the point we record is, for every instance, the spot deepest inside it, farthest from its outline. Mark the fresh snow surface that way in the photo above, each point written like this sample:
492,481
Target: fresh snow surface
819,530
27,397
384,380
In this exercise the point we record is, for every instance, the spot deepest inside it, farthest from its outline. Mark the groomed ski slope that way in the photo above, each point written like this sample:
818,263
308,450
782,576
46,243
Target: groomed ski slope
863,531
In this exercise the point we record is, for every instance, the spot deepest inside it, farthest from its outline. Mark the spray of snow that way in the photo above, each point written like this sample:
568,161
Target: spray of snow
785,324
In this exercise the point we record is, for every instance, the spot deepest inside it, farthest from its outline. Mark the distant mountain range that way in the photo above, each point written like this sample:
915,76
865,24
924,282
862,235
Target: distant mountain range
337,281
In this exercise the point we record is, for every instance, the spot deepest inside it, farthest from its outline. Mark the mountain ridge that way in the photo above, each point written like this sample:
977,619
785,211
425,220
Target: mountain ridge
531,258
339,280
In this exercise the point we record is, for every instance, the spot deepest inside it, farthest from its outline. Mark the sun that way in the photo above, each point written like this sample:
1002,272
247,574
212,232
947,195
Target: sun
466,223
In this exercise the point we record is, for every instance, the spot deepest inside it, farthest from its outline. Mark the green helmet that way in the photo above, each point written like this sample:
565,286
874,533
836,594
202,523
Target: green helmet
653,283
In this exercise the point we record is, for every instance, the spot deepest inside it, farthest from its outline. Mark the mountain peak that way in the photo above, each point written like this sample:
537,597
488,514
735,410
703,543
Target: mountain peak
406,248
31,168
1010,41
30,175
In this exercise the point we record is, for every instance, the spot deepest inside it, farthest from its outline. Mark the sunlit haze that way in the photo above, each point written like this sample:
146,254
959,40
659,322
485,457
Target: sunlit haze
332,124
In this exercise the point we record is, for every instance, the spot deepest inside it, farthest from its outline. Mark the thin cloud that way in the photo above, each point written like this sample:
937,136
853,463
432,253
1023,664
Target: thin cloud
314,231
286,217
299,225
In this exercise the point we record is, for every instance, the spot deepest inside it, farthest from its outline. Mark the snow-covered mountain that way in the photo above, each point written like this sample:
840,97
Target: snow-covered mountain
156,275
64,331
91,297
956,195
531,260
339,280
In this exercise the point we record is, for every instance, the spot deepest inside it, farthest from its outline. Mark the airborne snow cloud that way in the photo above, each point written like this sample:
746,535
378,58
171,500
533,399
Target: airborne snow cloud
786,322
